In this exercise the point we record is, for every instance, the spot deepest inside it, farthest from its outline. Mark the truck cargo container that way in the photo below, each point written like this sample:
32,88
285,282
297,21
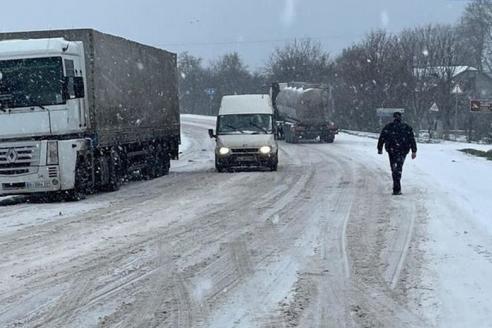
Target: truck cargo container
80,110
303,112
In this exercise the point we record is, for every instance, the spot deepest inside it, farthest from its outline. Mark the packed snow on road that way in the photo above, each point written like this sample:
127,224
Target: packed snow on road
321,242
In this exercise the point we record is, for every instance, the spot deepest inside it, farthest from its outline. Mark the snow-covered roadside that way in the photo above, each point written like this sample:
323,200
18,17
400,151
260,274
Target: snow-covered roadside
457,244
19,218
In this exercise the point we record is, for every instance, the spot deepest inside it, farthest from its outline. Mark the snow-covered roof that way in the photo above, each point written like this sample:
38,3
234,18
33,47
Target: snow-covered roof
442,71
35,47
246,104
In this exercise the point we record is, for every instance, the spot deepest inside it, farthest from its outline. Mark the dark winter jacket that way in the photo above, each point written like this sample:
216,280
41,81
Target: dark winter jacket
398,138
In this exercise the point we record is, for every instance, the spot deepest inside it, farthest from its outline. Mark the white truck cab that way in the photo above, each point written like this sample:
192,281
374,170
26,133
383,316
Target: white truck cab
42,111
245,133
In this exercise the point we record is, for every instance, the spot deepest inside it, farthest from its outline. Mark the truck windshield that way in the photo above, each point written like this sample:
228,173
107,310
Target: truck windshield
31,82
245,124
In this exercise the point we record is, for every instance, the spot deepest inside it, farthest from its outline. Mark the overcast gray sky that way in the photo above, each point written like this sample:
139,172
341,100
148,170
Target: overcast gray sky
211,28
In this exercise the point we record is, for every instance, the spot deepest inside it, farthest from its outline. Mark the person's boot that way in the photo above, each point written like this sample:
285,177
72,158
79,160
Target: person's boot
396,187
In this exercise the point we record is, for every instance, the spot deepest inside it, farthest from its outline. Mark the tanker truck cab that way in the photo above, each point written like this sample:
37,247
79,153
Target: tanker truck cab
245,133
42,114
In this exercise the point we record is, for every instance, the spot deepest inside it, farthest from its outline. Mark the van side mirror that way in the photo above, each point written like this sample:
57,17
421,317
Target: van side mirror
211,134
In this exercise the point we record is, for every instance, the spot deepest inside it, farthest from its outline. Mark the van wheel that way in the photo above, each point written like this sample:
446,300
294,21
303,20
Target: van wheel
219,167
274,166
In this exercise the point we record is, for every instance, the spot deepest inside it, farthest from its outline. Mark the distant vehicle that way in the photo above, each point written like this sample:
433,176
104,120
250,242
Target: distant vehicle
245,133
80,110
303,112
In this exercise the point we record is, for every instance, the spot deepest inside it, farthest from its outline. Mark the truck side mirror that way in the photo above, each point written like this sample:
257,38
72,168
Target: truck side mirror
79,87
211,134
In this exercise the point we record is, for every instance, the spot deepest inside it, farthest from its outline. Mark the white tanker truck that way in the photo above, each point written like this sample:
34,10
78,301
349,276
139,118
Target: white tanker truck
303,112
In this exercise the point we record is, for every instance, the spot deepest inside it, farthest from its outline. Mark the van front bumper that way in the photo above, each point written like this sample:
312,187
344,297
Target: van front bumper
245,160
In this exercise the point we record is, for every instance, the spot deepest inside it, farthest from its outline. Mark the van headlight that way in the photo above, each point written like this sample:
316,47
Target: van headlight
52,154
224,151
266,150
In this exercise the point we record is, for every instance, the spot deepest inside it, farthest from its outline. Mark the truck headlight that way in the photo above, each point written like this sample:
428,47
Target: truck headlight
52,154
224,151
266,150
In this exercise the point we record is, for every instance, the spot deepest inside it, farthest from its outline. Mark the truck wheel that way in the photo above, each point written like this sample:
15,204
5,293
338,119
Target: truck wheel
152,167
81,182
164,163
114,163
75,195
274,167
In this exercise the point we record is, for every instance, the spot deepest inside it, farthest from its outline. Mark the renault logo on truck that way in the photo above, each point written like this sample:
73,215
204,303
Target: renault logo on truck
11,156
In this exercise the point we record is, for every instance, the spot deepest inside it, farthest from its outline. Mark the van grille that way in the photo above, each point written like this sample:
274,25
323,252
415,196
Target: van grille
245,150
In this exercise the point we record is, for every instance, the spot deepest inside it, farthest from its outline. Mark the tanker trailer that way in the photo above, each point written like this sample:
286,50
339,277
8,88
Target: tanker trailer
303,112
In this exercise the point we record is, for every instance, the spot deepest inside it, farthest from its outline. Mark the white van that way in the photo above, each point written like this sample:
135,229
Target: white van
245,133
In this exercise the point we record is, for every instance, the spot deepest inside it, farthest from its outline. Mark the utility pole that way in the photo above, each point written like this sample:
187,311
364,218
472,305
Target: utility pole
456,91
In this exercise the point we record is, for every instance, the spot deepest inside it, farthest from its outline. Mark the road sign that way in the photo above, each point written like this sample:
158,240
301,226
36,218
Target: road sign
434,108
457,90
481,106
210,92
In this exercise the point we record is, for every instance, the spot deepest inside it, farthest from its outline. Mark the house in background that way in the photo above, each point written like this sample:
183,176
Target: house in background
450,89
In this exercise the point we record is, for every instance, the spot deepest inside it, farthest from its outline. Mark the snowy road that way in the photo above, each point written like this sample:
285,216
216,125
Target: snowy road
321,243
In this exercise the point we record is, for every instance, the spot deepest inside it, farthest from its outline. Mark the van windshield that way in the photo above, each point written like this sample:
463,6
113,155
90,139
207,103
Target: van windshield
245,124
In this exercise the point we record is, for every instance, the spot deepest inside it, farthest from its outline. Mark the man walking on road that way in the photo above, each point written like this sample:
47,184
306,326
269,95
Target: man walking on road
398,139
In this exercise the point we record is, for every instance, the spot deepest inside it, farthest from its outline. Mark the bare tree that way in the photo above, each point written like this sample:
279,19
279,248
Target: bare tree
194,80
369,75
433,55
231,76
302,60
476,34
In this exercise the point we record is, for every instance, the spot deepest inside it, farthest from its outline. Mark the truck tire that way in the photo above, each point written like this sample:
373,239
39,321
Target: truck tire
329,139
115,176
81,188
153,165
164,163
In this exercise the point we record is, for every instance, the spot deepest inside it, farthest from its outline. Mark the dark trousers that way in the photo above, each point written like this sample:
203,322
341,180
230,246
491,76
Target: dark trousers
396,161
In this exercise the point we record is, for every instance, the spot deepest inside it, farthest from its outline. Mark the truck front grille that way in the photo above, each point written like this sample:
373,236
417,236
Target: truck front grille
14,186
20,159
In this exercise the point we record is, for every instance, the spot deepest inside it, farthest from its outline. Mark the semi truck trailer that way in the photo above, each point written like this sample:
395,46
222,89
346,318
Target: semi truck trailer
81,110
303,111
